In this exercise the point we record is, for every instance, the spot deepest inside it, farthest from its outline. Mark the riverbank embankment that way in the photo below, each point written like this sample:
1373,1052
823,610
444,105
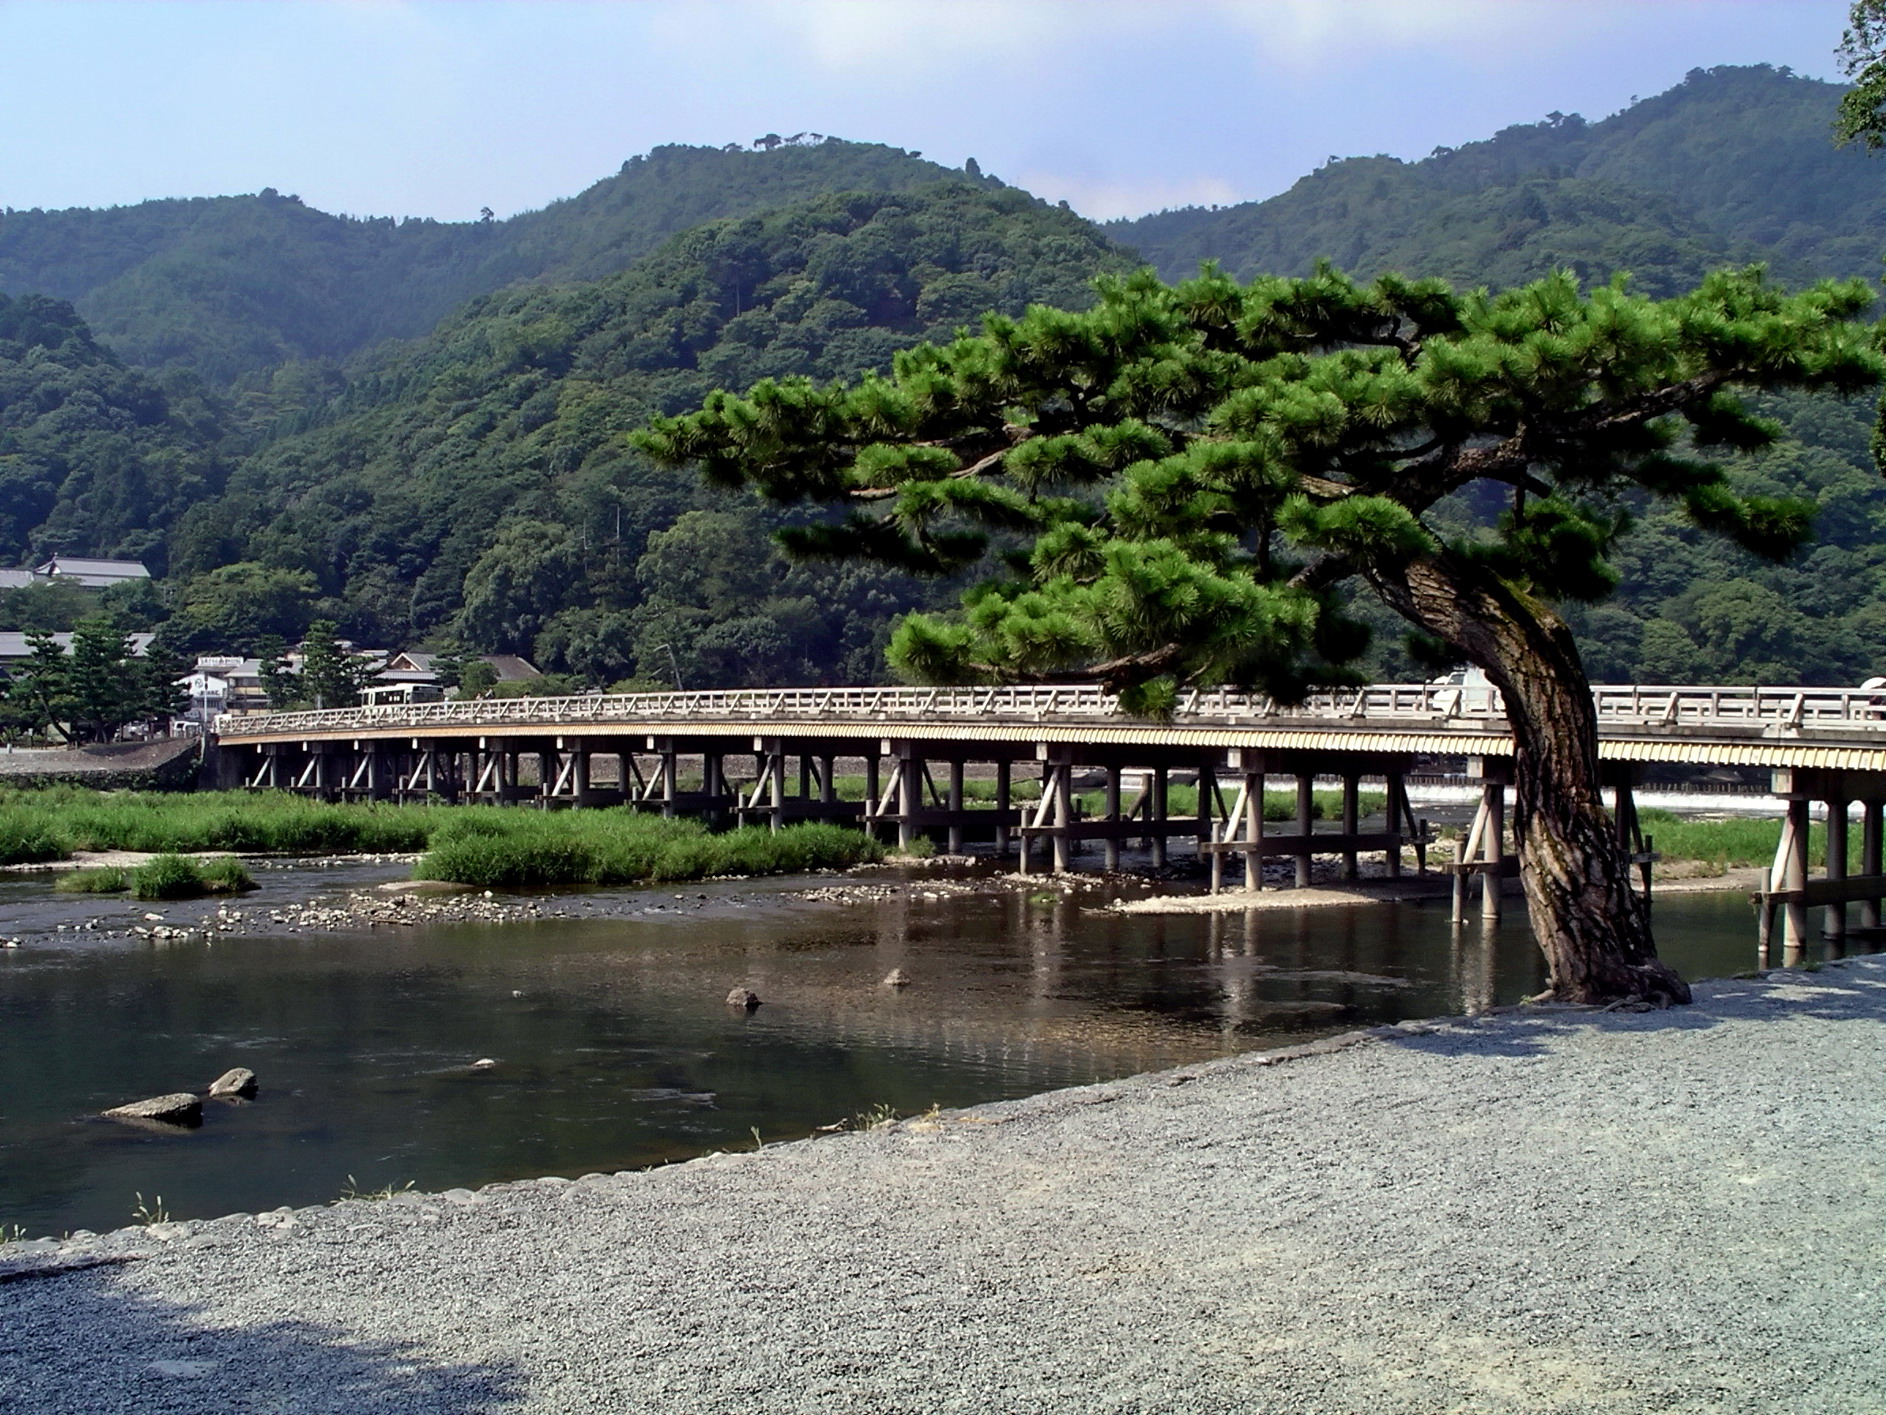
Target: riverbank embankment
1541,1210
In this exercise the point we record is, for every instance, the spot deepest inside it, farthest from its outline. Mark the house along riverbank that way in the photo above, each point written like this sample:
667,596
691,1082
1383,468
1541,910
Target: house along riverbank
1540,1209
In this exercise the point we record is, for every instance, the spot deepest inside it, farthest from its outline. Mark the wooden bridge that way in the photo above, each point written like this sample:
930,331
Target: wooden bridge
671,752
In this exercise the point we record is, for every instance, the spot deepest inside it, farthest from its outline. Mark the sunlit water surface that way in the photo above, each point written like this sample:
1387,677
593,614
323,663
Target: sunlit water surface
614,1045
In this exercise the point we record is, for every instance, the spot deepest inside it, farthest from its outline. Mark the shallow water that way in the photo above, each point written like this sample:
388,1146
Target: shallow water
614,1047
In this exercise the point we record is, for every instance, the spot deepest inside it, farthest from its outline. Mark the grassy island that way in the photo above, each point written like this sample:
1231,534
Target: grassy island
481,845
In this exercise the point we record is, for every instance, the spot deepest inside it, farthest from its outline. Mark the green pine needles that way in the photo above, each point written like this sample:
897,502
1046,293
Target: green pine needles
1166,489
1174,487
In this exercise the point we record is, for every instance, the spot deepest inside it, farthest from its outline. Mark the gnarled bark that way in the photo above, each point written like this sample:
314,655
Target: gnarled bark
1592,926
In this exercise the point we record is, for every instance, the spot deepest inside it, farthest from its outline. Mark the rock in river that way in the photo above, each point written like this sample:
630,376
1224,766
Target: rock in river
237,1081
743,997
179,1108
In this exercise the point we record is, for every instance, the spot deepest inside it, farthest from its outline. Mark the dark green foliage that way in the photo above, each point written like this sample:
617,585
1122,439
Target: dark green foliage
229,286
481,479
1733,164
94,457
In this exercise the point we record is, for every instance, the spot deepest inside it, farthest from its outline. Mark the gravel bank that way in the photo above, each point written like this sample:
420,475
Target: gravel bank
1540,1211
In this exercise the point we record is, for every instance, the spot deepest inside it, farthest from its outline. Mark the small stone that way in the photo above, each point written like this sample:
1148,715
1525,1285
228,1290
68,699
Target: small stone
743,997
178,1108
181,1370
896,978
483,1063
237,1081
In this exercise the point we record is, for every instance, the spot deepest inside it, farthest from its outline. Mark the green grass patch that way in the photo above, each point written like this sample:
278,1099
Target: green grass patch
1737,841
525,849
180,877
225,874
55,822
168,877
482,845
105,880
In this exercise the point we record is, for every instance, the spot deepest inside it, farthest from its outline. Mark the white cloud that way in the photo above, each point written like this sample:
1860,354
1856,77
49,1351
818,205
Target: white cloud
1316,31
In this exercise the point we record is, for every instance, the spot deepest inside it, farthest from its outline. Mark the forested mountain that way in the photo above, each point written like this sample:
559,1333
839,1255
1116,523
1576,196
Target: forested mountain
1732,164
479,479
232,285
470,482
93,455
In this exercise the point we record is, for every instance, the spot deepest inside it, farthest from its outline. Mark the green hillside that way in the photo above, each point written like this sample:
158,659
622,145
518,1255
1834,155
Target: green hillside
1733,164
478,479
231,285
94,457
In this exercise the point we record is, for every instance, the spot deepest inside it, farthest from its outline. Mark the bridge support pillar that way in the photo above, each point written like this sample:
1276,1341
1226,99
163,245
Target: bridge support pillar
1790,873
1110,847
1834,921
1871,862
1207,788
1351,819
1306,824
909,767
1002,770
955,806
873,793
1482,852
379,772
1063,775
1396,808
1156,813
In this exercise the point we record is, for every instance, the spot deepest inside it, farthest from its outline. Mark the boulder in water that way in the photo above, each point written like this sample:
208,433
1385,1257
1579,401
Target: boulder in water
236,1081
744,998
178,1108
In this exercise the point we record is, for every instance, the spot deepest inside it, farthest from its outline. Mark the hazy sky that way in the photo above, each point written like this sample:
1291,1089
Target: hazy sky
439,107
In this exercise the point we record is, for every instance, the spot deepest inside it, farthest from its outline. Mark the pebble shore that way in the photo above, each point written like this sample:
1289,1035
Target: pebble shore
1541,1210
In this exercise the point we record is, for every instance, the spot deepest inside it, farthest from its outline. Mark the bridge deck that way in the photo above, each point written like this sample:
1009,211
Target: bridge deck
1821,744
1822,728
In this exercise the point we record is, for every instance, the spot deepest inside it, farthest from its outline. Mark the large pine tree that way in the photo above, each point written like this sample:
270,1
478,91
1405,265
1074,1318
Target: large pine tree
1172,488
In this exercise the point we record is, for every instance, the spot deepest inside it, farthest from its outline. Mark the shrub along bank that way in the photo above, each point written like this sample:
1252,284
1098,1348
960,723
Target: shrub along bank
481,845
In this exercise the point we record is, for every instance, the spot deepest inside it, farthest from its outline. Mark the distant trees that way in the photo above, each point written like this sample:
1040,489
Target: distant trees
91,691
332,675
237,608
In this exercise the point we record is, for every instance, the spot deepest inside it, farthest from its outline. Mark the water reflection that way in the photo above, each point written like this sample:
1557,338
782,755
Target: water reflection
614,1047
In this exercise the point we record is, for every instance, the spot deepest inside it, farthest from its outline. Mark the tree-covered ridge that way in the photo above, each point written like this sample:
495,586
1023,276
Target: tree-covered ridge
480,481
94,457
233,285
1733,164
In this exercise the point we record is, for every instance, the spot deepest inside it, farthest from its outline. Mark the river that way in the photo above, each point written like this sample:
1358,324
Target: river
612,1045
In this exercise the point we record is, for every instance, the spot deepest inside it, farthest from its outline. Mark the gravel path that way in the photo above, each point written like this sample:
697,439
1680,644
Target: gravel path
1540,1211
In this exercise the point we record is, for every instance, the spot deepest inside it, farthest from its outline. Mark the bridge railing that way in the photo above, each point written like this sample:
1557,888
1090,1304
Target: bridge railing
1404,703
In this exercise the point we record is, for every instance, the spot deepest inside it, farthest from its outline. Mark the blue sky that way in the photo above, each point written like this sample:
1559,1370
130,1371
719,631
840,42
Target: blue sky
436,108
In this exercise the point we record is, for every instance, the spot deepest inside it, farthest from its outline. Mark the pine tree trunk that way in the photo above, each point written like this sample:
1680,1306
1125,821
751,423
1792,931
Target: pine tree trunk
1592,926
